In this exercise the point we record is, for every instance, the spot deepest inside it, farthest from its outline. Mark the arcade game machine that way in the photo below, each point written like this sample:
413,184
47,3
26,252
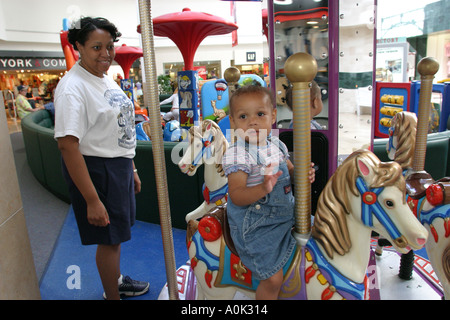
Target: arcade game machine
392,98
394,93
445,114
439,107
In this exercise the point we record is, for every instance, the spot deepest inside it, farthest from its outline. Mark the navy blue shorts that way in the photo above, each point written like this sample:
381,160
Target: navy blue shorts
113,179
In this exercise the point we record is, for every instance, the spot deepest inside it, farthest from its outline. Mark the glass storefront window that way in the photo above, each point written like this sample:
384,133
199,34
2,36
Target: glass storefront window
206,69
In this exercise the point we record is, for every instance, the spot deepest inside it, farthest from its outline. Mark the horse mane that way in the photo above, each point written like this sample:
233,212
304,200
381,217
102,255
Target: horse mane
405,127
221,148
330,224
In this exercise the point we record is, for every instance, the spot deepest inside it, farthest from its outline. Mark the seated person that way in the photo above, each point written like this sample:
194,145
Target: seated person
316,104
23,106
173,114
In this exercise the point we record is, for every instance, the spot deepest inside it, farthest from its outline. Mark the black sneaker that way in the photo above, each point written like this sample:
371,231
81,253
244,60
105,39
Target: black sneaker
130,287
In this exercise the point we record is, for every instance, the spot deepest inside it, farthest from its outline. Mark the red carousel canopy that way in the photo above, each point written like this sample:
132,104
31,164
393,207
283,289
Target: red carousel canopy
187,29
265,21
125,57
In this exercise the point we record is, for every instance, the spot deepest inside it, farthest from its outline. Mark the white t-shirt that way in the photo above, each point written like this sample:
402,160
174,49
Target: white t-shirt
97,112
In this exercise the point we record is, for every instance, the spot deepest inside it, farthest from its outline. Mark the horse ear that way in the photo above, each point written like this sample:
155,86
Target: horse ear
208,127
367,162
363,168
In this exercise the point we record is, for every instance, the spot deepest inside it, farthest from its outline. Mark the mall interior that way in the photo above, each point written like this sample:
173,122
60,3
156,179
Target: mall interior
361,48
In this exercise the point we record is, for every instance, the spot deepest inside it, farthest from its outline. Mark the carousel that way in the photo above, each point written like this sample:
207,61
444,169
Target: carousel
366,229
364,202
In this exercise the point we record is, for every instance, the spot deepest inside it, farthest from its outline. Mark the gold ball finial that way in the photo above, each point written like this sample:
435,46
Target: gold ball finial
300,67
428,66
232,74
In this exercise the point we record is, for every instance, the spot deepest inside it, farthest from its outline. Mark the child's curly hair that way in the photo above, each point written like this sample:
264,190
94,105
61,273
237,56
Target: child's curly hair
251,89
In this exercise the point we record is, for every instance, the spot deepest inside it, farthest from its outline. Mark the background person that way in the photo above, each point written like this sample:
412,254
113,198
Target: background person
174,112
316,105
23,106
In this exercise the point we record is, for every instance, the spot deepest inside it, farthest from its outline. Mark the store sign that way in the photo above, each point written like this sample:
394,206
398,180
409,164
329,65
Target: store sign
391,40
201,71
32,63
251,56
243,57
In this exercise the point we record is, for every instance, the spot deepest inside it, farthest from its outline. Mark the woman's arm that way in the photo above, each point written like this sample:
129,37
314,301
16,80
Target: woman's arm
168,100
76,166
137,180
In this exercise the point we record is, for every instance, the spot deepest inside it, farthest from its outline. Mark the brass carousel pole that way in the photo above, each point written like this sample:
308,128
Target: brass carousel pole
427,68
151,89
232,76
301,69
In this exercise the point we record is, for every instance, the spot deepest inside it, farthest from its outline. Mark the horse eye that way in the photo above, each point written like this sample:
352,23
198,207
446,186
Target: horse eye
389,203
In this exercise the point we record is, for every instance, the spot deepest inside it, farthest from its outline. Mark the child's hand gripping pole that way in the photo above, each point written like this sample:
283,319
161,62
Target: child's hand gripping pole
301,69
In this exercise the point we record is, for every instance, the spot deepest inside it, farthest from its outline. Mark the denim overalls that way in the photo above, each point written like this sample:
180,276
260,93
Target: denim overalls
261,232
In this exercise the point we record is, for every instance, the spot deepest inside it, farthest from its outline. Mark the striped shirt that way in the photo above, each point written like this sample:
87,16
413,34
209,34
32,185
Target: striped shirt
253,159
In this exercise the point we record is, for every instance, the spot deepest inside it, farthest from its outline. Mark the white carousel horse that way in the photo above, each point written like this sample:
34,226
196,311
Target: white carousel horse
363,195
207,144
433,213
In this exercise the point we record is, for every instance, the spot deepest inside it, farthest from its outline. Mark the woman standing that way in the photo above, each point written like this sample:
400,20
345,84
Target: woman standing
94,127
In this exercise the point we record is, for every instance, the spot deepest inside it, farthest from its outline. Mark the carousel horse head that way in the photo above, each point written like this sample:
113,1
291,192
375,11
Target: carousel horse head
402,139
207,144
433,212
374,198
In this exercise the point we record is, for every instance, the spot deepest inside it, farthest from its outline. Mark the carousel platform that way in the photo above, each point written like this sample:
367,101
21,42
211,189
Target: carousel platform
71,273
423,284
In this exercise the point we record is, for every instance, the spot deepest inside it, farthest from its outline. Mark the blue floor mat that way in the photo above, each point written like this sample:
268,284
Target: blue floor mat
72,273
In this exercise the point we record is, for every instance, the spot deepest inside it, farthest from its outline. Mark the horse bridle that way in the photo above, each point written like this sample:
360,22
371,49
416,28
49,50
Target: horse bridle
370,207
206,149
391,139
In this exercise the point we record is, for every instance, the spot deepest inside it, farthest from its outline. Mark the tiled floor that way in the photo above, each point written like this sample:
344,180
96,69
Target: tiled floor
13,124
354,132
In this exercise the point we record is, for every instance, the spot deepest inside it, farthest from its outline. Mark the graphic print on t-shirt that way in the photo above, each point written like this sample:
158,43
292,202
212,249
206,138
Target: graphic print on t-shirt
125,120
